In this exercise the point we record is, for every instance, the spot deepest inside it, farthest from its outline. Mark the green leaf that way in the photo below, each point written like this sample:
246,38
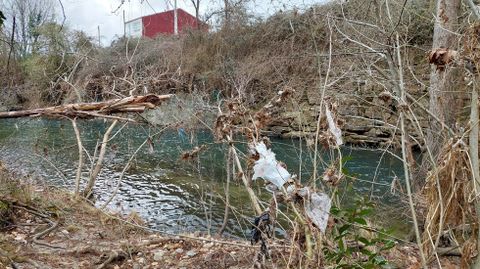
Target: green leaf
345,159
334,210
364,240
341,246
366,252
388,244
365,212
344,229
360,221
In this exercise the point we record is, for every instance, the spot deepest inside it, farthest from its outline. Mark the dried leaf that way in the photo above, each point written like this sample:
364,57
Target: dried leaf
190,155
441,57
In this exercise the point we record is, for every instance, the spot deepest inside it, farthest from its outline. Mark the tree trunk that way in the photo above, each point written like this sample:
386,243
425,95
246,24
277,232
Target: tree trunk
227,13
473,141
442,80
98,165
197,13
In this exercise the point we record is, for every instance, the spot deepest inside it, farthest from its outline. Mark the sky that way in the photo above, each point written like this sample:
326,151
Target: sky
89,15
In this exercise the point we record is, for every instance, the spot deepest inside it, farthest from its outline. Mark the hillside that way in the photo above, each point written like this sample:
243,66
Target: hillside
331,50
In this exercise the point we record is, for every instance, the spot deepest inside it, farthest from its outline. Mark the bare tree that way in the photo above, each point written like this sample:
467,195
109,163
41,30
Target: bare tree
226,7
442,98
30,16
196,5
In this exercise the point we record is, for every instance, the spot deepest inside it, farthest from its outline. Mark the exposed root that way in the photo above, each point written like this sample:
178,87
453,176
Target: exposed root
115,255
53,225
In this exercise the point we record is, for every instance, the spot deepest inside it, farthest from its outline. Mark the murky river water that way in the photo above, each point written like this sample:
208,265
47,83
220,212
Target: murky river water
170,194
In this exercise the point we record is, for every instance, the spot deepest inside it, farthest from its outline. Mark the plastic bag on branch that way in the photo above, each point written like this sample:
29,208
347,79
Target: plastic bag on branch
317,207
333,127
268,168
317,204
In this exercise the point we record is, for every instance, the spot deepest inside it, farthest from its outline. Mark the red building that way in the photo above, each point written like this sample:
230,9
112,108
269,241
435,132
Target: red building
160,23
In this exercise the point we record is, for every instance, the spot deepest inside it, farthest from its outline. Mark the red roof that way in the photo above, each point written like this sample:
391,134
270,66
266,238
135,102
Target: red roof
162,23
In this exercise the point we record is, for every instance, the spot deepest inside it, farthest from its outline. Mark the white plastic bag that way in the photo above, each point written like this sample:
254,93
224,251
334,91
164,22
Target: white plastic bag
317,208
333,127
268,168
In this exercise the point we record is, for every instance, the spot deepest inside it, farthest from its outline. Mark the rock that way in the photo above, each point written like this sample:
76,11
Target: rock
297,134
157,256
191,253
278,130
179,250
136,266
141,260
65,232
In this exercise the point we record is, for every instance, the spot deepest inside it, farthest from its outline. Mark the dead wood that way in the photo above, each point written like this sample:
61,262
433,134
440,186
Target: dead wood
450,251
97,109
113,256
53,225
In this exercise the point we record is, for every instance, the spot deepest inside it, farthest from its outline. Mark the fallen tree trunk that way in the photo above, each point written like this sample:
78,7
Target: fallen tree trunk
97,109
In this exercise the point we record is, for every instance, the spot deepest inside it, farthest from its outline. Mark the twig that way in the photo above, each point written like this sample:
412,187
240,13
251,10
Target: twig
12,40
36,212
474,8
80,157
39,235
115,191
404,155
93,176
227,192
251,193
322,97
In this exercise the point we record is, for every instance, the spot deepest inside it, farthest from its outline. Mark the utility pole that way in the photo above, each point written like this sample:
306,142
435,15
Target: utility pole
99,41
124,25
175,19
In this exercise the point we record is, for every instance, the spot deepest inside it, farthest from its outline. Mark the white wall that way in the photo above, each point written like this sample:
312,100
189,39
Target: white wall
134,28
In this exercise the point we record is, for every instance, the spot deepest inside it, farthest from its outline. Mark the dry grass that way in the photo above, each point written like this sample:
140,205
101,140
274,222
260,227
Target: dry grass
449,193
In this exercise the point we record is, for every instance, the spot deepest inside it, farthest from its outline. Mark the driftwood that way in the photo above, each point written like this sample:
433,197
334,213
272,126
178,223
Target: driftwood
98,109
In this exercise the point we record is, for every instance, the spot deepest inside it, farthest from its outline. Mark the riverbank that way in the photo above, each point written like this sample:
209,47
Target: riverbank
43,227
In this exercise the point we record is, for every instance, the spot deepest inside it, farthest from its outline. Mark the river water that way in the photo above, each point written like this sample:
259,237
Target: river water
168,193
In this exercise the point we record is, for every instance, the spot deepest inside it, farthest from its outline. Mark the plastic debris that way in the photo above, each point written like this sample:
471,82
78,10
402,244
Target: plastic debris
317,207
268,168
333,127
262,225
